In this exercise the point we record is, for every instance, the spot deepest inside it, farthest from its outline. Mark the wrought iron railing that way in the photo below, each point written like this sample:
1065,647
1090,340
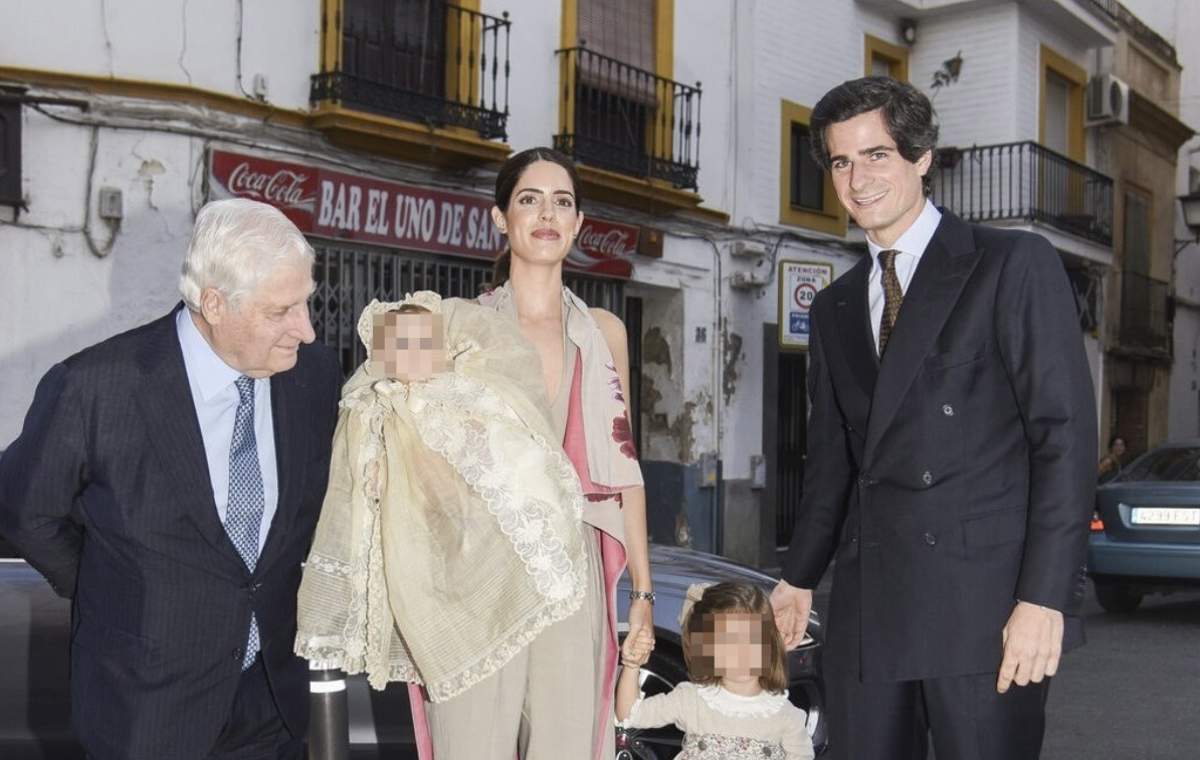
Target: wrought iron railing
1024,180
619,117
1144,304
422,60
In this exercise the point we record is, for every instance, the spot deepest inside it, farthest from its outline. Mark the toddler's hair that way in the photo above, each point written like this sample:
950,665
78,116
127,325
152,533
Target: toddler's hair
700,624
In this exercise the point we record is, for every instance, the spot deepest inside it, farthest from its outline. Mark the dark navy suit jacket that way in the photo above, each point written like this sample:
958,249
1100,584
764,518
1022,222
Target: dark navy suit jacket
106,492
955,475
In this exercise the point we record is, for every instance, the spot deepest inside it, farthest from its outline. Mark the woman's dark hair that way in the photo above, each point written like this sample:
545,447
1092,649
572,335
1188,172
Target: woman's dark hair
506,184
699,627
1114,439
907,114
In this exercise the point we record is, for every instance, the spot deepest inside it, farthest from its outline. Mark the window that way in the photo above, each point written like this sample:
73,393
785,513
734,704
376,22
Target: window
433,62
885,59
1056,117
619,109
1135,255
10,152
806,195
1062,100
808,180
1178,464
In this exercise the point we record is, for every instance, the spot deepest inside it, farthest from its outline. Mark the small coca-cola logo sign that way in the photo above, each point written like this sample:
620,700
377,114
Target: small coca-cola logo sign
613,242
283,188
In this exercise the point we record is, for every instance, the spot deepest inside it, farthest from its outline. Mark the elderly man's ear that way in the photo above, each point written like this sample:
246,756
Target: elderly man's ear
213,305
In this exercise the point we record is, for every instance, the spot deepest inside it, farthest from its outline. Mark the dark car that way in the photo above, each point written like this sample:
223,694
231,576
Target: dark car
1146,534
35,703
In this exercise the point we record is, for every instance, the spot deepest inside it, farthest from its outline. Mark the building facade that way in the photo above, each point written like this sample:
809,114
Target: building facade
378,127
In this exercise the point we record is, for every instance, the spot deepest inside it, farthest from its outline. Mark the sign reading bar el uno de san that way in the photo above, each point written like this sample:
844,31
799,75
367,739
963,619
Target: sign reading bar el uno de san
345,206
799,282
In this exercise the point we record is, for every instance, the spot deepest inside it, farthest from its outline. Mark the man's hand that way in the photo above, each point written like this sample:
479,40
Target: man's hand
791,607
1032,645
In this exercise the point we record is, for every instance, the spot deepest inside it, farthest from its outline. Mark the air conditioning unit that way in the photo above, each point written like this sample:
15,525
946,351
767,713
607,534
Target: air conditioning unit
1107,101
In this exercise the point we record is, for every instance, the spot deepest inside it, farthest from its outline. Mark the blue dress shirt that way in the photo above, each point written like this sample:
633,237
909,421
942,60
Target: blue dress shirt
216,399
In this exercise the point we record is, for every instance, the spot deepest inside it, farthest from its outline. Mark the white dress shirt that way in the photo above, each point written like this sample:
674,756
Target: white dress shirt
216,399
910,246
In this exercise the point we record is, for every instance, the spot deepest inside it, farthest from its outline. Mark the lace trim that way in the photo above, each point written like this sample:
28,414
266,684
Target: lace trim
527,521
736,706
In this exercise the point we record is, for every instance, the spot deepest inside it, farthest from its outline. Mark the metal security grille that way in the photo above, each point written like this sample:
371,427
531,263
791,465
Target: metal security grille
347,278
792,443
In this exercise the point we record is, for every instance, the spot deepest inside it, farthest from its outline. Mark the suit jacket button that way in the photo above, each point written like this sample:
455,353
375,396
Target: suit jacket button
930,539
927,478
237,654
948,410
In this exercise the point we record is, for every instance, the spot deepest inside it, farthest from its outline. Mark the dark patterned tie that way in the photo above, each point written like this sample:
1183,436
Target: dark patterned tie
892,297
244,511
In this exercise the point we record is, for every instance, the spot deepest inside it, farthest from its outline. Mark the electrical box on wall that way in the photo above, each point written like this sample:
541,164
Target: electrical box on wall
110,203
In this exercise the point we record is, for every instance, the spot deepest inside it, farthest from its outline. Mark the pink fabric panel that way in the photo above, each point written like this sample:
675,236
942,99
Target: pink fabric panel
416,700
612,557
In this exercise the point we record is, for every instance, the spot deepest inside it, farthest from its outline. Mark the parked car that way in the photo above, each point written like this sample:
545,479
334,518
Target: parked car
34,644
1146,534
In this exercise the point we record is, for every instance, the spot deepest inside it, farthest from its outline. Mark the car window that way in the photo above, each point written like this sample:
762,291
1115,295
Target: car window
1175,463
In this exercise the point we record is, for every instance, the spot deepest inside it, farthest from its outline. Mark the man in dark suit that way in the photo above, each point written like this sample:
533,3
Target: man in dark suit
168,481
951,465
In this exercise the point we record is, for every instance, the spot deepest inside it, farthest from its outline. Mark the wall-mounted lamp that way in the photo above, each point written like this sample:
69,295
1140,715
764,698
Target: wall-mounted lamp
1190,204
908,30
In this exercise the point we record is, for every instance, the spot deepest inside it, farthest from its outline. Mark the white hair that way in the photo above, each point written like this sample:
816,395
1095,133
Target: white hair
235,245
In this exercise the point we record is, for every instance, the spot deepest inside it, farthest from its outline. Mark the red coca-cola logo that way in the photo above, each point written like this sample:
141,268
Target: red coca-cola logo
611,242
280,188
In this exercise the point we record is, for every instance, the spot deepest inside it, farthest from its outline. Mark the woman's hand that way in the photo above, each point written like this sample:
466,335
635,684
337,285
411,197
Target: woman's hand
641,619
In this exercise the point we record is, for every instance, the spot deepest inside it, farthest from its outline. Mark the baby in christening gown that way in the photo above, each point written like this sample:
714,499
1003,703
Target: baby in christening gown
736,706
439,553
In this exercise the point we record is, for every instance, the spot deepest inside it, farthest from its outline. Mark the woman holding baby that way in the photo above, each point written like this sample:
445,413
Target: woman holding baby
478,518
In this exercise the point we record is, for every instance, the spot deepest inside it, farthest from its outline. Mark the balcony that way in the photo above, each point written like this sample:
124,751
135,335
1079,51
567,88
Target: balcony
1144,305
408,68
627,120
1024,181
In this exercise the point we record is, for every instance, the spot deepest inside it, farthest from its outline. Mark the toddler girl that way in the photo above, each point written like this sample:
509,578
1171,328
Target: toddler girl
735,707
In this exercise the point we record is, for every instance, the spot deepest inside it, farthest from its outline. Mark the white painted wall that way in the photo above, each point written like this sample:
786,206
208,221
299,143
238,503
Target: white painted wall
177,41
56,296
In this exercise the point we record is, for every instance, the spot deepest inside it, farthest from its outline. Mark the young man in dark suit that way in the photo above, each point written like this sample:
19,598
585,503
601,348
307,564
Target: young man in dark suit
168,481
951,465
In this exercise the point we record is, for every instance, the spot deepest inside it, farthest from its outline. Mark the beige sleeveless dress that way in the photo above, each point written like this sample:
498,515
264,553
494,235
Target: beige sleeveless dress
545,703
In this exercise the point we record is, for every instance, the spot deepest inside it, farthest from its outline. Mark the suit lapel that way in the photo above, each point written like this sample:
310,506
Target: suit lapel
854,326
291,452
169,415
943,270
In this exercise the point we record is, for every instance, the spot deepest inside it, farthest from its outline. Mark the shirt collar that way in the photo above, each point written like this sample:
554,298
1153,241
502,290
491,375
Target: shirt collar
916,238
208,370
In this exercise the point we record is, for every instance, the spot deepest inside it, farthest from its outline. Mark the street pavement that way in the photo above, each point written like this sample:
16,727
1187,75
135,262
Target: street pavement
1132,692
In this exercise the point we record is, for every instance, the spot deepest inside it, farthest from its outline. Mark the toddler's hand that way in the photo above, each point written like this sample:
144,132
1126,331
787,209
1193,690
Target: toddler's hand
636,649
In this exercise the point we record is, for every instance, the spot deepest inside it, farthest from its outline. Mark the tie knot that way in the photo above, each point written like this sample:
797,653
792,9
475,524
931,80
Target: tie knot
245,388
887,259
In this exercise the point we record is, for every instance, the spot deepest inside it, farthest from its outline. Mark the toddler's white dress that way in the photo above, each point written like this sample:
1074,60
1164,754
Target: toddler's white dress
720,725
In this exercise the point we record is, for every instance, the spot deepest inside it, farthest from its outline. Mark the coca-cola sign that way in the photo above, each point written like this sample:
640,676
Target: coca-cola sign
283,187
346,206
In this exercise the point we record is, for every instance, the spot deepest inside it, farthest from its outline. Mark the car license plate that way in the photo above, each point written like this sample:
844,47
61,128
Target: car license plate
1165,516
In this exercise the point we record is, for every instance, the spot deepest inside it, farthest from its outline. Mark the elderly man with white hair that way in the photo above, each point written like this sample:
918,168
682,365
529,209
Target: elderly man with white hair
168,481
